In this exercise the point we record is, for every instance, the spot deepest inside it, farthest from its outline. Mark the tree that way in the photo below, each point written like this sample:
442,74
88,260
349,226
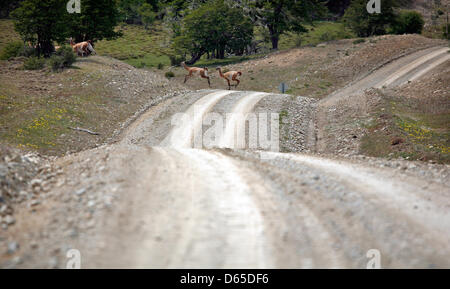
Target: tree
97,20
280,16
364,24
409,22
214,28
6,6
147,14
128,10
41,22
338,7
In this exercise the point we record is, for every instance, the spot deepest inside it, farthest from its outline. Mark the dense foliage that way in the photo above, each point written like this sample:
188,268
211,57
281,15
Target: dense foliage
41,22
409,22
280,16
44,22
215,28
364,24
97,20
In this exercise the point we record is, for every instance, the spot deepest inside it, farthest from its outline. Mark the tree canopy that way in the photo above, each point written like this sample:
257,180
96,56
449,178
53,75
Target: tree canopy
147,14
97,20
281,16
214,28
364,24
41,22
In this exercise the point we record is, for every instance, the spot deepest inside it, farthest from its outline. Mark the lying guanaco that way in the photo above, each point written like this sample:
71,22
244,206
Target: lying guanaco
230,75
202,72
82,48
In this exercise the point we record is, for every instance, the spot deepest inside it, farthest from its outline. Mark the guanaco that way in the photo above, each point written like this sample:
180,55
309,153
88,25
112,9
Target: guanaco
82,48
230,76
202,72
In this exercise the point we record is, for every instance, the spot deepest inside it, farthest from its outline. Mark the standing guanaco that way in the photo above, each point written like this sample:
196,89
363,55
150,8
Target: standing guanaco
230,75
202,72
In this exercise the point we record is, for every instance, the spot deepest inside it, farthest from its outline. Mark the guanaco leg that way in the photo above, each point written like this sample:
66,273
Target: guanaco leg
229,84
207,77
237,80
188,76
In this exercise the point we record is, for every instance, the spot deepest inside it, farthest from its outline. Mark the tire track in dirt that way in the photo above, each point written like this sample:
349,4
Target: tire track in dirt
183,134
393,74
234,133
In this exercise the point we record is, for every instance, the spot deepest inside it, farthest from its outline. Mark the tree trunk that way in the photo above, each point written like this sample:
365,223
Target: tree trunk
195,58
221,53
274,39
46,48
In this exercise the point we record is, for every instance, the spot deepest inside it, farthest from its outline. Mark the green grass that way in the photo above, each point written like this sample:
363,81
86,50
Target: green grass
138,47
226,61
8,34
425,135
35,122
149,60
317,33
150,48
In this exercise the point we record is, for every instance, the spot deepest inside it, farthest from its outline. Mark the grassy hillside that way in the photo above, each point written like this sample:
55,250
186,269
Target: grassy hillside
149,48
138,47
7,33
418,116
39,108
317,33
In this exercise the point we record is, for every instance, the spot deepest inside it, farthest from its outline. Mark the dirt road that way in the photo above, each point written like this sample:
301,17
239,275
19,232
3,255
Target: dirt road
394,74
155,199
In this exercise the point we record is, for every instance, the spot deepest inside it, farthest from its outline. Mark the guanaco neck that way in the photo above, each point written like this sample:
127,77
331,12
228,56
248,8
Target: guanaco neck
185,66
220,73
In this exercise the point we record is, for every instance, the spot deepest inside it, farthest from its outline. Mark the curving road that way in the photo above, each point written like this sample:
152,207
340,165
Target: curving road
230,207
245,209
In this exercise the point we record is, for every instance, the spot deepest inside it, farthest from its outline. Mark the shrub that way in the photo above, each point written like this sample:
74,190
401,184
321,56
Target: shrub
62,58
147,14
11,50
170,74
160,66
326,37
34,63
27,51
56,62
408,22
67,54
